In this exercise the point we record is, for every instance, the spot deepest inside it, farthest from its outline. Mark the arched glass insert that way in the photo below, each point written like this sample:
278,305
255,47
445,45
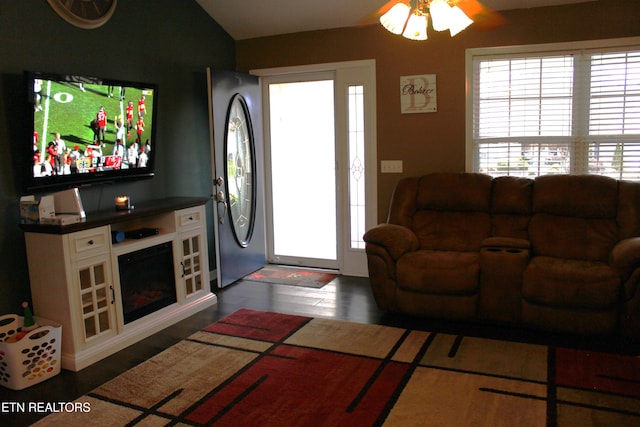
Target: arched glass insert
240,167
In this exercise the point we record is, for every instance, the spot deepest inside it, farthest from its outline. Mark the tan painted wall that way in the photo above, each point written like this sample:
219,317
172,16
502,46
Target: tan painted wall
434,142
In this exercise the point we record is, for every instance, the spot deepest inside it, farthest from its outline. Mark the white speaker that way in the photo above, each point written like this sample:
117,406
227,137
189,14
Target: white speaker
68,202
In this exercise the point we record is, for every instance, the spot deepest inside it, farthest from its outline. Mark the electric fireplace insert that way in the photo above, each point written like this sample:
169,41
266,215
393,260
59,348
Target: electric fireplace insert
147,281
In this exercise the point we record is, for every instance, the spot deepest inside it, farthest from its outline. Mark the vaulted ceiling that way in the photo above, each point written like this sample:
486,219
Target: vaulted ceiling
258,18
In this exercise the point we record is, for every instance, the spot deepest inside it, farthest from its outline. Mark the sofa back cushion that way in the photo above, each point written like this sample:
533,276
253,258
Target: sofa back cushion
451,231
629,209
574,216
452,211
403,202
511,207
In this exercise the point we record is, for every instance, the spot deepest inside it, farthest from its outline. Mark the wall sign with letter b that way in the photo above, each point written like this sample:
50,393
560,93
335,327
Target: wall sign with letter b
418,94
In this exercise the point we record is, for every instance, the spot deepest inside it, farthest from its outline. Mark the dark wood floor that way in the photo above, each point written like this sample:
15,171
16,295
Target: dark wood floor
346,298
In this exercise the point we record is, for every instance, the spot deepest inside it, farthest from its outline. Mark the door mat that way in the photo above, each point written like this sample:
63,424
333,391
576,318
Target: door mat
296,276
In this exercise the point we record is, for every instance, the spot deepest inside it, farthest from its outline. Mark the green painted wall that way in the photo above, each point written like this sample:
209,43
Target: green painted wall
162,41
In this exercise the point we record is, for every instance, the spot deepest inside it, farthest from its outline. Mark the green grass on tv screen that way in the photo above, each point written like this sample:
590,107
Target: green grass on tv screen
68,108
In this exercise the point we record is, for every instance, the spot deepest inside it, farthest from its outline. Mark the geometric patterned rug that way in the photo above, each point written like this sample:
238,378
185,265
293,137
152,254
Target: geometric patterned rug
256,368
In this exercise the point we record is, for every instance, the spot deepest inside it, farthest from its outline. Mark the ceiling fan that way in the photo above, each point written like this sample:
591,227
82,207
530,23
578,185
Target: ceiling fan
410,17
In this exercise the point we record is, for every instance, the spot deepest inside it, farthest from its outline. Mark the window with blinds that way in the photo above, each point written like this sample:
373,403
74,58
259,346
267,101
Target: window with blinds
556,112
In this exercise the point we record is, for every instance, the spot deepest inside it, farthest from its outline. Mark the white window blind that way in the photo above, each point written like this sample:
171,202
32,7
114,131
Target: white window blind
557,112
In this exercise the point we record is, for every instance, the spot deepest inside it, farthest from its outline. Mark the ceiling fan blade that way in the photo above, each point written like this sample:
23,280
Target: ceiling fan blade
483,17
374,17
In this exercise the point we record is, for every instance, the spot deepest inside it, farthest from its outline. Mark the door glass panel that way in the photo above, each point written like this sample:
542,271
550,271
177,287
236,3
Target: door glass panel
99,274
87,303
356,166
85,278
89,327
239,170
103,319
303,174
101,297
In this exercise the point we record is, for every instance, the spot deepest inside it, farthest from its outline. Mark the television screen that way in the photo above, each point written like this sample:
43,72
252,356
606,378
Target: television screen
88,130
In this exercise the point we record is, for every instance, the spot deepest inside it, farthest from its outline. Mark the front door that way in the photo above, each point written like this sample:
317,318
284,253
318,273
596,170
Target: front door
320,144
236,128
300,148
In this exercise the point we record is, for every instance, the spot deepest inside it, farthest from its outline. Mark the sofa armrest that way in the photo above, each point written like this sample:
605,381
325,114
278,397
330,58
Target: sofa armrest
396,239
625,259
625,256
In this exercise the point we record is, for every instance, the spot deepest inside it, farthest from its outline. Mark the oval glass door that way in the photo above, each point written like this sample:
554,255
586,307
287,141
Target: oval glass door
240,167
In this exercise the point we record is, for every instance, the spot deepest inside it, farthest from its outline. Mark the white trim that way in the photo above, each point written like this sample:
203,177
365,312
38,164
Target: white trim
351,262
554,47
266,81
313,68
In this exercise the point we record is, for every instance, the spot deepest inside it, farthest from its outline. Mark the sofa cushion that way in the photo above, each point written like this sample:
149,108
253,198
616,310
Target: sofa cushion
574,216
583,196
403,202
452,211
511,206
511,195
466,192
451,231
514,226
439,272
570,283
629,209
573,237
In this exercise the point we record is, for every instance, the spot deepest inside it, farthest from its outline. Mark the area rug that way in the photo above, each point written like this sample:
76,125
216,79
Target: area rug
292,276
257,368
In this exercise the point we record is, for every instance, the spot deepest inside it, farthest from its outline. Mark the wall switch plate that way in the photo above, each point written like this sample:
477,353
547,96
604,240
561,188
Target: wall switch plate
391,166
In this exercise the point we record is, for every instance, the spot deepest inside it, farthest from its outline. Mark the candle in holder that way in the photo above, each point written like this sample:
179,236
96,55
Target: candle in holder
123,203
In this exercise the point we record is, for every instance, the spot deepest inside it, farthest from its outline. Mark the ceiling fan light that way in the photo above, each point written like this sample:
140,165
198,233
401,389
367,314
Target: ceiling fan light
458,20
395,18
440,14
416,27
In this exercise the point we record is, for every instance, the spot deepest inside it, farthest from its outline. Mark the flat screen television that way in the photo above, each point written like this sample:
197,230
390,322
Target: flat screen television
87,130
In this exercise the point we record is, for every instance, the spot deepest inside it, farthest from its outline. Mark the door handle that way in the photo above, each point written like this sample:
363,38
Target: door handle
221,199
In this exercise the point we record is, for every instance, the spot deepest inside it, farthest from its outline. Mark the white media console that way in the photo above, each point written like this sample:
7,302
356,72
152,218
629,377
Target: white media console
75,274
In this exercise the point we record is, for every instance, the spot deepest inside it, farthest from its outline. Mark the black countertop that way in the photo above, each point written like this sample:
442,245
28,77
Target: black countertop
113,216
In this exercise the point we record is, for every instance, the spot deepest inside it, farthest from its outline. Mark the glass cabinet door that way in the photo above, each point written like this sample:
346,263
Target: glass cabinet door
96,296
191,264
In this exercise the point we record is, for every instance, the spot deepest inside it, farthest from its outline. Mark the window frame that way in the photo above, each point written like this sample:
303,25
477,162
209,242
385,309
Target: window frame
578,145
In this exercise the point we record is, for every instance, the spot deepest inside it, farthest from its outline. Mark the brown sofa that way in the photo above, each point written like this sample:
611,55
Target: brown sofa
560,253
